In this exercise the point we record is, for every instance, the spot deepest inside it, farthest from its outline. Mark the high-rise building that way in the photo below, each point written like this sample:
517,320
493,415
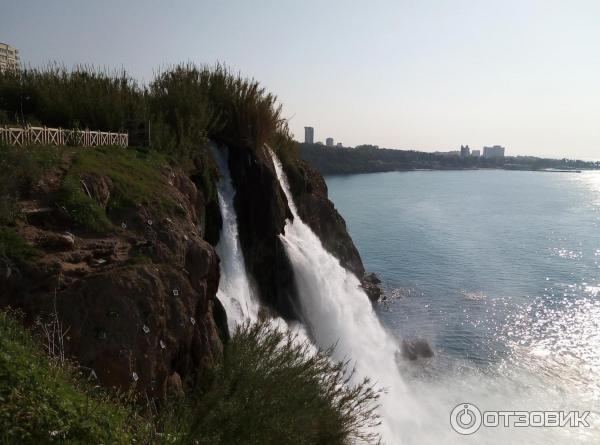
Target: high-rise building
329,142
9,58
309,135
465,151
493,152
476,153
339,144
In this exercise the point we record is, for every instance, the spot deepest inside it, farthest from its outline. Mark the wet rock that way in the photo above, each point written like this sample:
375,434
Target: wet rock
372,286
413,349
262,211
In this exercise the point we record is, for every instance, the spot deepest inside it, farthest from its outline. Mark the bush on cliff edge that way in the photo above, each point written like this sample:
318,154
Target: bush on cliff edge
273,389
269,389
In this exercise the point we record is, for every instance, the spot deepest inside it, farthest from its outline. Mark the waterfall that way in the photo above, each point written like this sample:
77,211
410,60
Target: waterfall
338,312
235,292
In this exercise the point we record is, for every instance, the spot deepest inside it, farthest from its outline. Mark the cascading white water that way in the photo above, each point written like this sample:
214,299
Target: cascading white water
235,291
338,312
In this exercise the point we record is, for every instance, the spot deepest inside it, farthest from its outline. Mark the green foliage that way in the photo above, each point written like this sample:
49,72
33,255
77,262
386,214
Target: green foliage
79,98
272,389
269,389
369,159
200,102
176,113
82,209
136,177
181,112
44,402
13,248
21,168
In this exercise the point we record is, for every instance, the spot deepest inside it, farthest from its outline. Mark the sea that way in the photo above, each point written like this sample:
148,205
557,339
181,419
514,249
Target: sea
500,272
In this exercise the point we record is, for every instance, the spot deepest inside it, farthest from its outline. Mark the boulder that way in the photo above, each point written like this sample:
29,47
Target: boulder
413,349
372,286
58,241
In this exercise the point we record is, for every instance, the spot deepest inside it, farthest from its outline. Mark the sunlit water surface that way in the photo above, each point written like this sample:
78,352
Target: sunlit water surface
500,271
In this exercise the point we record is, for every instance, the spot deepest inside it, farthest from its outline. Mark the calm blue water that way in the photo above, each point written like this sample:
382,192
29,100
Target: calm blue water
499,270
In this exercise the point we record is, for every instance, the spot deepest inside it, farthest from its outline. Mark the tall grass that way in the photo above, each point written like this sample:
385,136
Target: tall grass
176,112
272,389
45,401
215,103
83,97
269,390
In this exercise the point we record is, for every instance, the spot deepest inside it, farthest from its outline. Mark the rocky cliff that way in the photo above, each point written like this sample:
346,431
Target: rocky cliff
135,296
137,303
262,209
315,208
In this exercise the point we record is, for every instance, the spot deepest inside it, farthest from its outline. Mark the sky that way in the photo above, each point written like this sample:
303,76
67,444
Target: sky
423,75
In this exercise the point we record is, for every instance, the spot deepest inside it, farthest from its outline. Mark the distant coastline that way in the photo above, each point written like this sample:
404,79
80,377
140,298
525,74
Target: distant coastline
370,159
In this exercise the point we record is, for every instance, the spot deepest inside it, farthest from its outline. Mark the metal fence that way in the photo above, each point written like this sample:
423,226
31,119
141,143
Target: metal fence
20,137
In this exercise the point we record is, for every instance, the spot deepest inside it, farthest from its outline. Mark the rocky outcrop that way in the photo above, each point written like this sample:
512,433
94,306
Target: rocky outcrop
262,209
413,349
137,305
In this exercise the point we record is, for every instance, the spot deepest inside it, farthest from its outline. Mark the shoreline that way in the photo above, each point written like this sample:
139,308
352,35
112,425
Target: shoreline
463,169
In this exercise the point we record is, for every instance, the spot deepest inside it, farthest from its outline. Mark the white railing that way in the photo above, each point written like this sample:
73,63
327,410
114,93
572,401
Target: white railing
22,136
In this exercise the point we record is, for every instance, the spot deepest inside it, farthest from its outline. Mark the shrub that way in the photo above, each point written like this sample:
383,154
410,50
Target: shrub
176,113
82,97
14,251
43,402
272,389
200,102
82,209
21,168
181,112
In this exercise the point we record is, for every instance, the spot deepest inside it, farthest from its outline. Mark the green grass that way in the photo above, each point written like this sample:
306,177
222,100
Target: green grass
44,402
136,178
83,211
268,389
21,168
13,248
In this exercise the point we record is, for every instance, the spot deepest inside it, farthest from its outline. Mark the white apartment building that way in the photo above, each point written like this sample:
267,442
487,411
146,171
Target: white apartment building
9,58
493,152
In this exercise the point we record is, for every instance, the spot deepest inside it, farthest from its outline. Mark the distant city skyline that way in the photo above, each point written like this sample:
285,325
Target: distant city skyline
424,75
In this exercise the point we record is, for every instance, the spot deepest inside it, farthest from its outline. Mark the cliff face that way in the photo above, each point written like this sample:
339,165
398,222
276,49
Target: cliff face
136,301
136,304
262,209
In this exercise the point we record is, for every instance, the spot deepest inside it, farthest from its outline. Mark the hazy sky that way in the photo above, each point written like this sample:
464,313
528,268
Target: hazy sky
416,74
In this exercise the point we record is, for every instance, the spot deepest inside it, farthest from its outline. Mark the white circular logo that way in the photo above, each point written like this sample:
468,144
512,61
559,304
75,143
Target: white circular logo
465,418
